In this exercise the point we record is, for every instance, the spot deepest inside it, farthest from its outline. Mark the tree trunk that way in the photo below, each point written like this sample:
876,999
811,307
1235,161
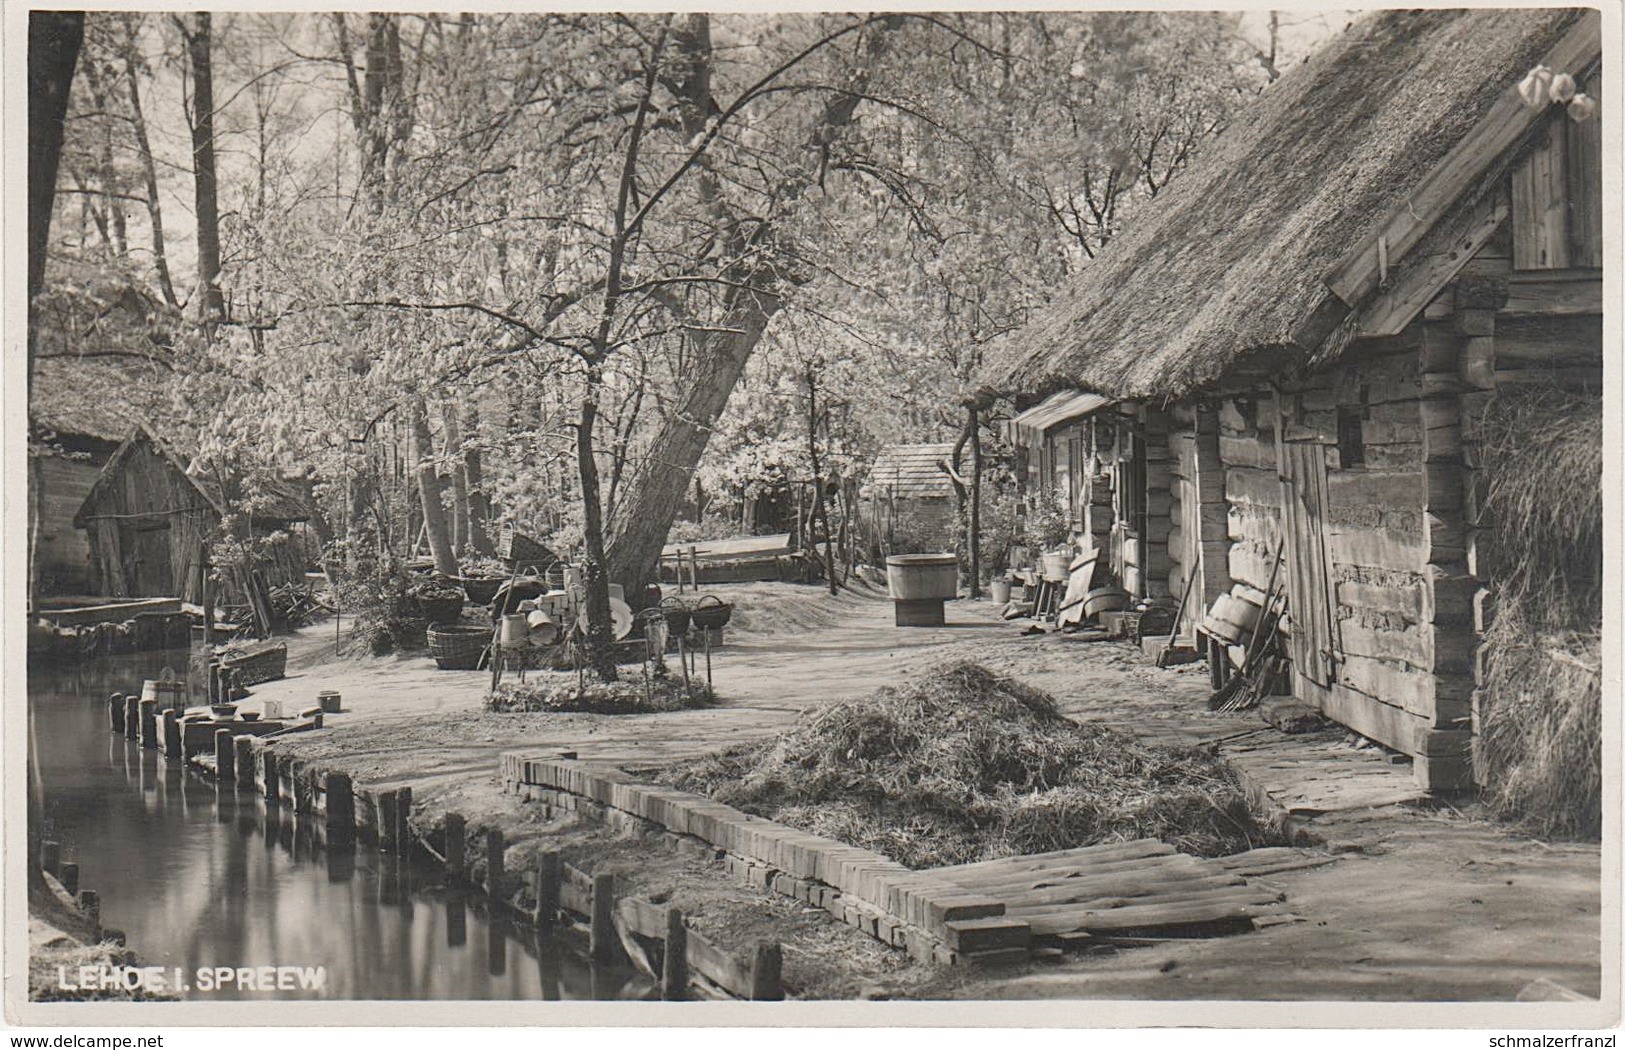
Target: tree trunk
459,482
149,169
53,52
206,191
820,509
650,504
600,641
975,505
431,494
479,501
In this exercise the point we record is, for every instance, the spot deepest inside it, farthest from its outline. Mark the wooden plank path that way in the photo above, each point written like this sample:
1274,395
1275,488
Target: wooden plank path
1142,887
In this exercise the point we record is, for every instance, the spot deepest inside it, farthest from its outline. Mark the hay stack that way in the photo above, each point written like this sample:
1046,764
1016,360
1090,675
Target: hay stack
963,765
1539,750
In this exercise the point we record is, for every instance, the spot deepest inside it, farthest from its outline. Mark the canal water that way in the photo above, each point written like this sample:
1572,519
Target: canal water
199,876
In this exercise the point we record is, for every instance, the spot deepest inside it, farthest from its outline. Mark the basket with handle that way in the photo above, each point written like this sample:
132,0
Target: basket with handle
458,647
711,612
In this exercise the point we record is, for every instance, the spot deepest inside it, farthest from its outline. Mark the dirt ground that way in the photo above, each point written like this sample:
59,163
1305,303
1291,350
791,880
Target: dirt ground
1425,903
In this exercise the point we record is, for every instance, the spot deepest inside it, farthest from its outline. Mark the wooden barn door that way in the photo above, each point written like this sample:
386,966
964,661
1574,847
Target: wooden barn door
145,548
1313,643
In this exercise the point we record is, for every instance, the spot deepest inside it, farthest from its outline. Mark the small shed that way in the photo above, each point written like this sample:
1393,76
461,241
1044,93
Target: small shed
908,501
149,524
1306,332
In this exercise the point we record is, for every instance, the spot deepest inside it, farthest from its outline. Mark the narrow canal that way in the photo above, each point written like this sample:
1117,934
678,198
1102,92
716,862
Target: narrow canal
198,876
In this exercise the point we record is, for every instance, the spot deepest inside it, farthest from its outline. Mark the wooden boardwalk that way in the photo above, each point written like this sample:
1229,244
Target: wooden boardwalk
1138,889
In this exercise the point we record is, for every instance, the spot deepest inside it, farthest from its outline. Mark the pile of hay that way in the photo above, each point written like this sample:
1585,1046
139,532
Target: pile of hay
1539,750
963,765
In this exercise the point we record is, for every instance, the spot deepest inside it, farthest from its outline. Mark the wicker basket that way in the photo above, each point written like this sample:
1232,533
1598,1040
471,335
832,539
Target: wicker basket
481,590
715,614
458,647
264,663
438,610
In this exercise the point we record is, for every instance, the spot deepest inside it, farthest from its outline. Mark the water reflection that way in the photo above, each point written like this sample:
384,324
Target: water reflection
200,874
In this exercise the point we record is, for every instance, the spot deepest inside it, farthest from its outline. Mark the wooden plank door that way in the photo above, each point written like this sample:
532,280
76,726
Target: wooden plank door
145,546
1310,598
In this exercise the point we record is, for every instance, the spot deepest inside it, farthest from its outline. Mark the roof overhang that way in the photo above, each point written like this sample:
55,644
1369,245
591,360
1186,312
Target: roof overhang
1028,428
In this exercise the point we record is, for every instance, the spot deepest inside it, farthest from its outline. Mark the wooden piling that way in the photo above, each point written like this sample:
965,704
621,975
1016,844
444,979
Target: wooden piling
115,712
225,756
50,855
765,972
132,716
385,820
456,839
403,821
174,749
603,938
149,723
69,877
270,773
674,967
243,761
496,849
549,873
340,816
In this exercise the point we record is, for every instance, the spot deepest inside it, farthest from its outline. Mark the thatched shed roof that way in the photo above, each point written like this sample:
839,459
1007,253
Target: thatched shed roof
912,472
1233,256
271,502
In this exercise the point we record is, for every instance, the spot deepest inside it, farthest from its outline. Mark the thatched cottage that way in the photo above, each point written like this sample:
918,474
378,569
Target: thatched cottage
1297,346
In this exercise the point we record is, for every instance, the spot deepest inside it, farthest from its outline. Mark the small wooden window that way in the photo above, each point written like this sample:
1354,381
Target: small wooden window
1351,432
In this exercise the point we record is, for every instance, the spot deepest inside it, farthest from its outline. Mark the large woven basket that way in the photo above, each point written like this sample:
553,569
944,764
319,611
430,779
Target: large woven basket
441,609
263,663
458,647
481,590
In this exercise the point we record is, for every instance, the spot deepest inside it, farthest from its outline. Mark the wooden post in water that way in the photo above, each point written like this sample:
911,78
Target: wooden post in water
456,839
69,877
603,939
115,712
549,872
268,764
674,968
132,716
403,821
765,970
50,855
386,822
149,723
340,815
225,756
243,762
495,853
174,750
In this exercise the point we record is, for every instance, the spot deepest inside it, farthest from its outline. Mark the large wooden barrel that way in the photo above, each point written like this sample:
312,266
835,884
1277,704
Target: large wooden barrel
168,693
917,577
1231,619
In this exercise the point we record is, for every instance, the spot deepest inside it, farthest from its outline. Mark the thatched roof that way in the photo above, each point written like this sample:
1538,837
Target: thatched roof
103,398
912,471
1232,257
270,503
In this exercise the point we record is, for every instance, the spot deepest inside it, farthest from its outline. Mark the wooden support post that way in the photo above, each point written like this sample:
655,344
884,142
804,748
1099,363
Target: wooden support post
243,761
386,822
674,967
270,771
50,855
496,849
69,877
132,716
174,749
403,822
115,712
149,723
456,839
225,756
340,815
549,874
765,970
603,939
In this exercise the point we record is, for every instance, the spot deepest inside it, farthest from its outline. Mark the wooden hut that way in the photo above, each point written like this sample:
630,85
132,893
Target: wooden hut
1304,330
908,500
150,524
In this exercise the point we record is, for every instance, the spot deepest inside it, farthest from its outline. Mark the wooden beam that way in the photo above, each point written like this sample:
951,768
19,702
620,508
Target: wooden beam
1501,129
1424,273
1547,293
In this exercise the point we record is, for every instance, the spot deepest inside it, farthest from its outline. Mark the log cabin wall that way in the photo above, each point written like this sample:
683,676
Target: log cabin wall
1199,541
62,560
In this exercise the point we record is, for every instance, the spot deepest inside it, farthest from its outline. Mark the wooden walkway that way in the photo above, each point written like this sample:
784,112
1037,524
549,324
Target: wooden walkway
1133,890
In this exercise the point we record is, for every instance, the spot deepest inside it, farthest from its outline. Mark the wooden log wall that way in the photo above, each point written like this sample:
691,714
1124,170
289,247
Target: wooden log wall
1150,556
1251,486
